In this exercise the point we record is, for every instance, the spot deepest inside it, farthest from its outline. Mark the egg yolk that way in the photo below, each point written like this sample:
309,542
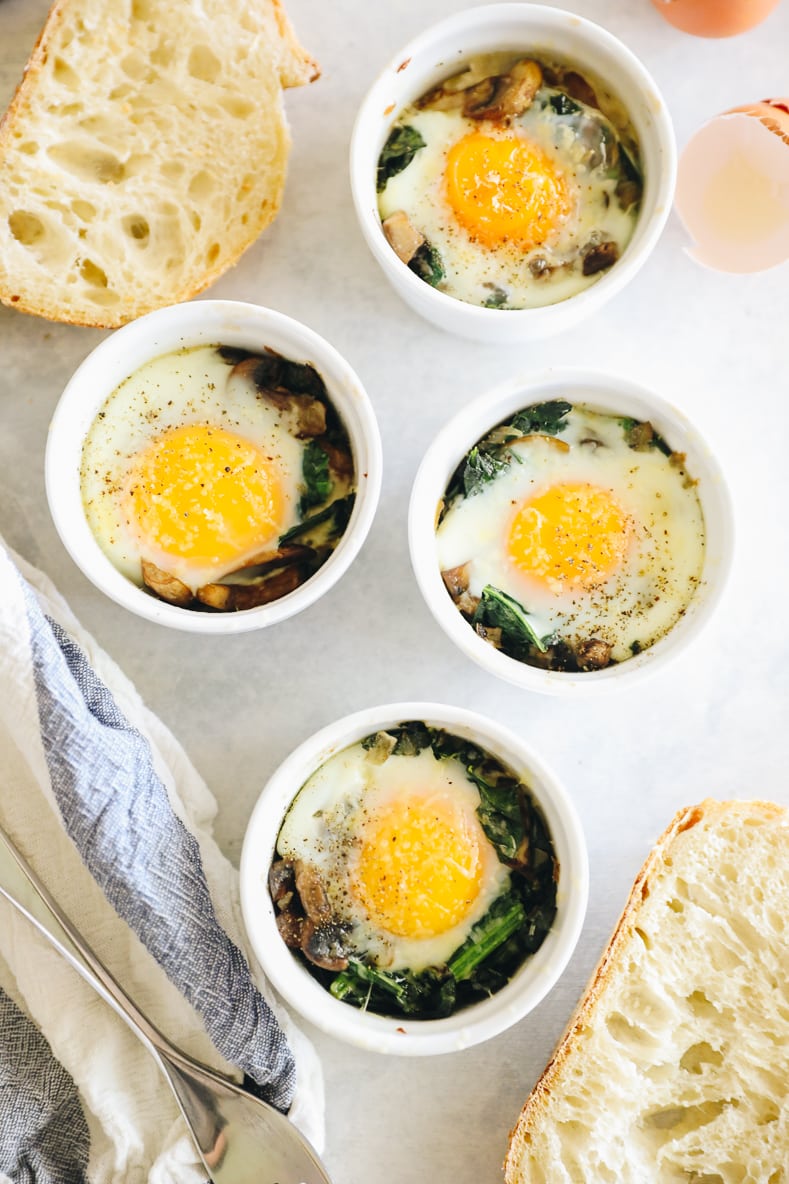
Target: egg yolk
205,494
570,535
420,867
506,189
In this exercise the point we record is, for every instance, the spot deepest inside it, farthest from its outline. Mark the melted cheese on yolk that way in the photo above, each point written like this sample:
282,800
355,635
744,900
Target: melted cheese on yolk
420,868
506,189
205,495
570,536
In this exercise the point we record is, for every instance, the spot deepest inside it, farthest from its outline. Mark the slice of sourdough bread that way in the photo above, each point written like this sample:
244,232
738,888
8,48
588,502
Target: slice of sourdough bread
675,1067
144,150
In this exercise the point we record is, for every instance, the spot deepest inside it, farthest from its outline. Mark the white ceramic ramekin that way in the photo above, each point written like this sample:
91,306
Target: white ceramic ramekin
405,1036
602,392
204,322
440,51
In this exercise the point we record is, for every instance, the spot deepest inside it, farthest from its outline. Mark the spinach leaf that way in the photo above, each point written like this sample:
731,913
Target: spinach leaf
491,456
629,167
428,265
498,792
504,918
480,468
500,809
505,834
317,480
337,515
498,610
401,147
412,737
562,104
446,746
548,418
428,993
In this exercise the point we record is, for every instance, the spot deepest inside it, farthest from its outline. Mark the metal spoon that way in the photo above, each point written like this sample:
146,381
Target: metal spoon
241,1139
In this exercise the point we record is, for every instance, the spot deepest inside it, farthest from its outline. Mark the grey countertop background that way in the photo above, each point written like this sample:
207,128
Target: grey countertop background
713,723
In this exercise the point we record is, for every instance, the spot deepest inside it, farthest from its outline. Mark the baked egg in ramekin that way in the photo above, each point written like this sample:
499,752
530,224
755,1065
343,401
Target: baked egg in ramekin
570,531
413,879
213,466
512,169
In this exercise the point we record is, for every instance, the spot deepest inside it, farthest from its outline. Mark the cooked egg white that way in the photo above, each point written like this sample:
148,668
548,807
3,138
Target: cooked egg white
499,202
400,851
593,538
188,470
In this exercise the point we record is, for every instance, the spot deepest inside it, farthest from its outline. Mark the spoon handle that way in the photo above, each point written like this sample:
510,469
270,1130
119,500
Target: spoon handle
20,885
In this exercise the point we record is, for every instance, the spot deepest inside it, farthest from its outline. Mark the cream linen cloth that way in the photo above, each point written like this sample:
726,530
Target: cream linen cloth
90,776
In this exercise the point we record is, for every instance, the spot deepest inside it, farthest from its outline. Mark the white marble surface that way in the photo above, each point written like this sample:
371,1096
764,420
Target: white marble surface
714,723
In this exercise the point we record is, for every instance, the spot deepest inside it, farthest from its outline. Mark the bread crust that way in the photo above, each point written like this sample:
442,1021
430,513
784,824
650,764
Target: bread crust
294,67
550,1078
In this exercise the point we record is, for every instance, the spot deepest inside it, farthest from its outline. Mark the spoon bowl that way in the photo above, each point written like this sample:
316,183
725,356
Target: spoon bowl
240,1138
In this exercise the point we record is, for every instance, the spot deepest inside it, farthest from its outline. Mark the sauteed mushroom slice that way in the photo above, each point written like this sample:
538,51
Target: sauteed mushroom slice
504,96
381,748
268,560
237,597
291,929
324,945
312,893
490,634
270,371
282,882
450,94
468,604
295,388
551,441
578,88
598,257
640,435
167,587
593,654
456,580
311,416
340,459
404,239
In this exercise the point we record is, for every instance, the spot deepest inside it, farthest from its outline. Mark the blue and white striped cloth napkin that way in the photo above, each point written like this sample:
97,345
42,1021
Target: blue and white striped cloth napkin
107,808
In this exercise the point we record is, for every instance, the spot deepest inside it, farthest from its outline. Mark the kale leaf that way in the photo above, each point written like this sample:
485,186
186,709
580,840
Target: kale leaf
428,265
499,610
317,479
548,418
401,147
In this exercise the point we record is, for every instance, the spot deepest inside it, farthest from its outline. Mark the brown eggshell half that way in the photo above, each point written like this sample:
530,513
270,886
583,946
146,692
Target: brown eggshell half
714,18
733,188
